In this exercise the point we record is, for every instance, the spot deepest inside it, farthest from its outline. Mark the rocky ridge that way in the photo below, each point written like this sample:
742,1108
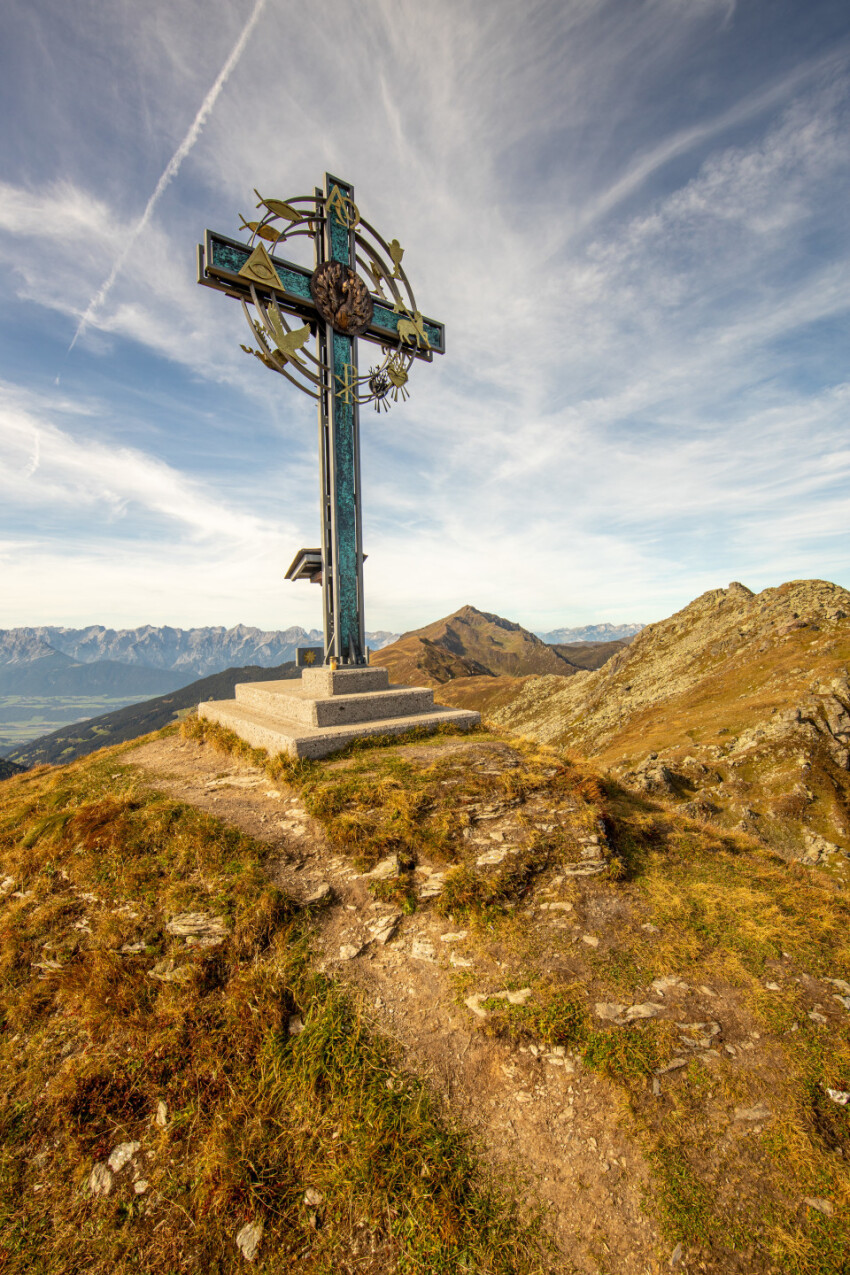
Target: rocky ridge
737,706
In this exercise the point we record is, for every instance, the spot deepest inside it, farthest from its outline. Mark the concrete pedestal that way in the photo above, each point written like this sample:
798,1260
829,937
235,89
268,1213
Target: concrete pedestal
327,709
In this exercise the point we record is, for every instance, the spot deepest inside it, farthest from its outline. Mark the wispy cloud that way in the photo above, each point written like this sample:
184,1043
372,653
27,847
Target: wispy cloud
170,171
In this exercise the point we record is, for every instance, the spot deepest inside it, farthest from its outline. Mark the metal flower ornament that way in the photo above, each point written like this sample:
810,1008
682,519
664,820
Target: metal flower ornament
304,325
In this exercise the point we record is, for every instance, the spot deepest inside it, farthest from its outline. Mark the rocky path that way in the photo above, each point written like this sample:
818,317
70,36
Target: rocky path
542,1113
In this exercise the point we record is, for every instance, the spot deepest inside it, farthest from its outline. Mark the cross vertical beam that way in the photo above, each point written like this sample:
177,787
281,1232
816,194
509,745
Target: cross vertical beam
339,450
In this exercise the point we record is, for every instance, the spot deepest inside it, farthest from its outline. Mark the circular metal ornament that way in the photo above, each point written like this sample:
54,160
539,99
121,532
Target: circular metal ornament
341,298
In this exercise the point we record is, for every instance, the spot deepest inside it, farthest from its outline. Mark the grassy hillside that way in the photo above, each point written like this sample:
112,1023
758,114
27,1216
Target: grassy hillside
82,738
702,977
738,707
154,1096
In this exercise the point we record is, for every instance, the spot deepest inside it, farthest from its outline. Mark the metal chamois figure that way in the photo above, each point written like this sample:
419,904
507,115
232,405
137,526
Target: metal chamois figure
332,305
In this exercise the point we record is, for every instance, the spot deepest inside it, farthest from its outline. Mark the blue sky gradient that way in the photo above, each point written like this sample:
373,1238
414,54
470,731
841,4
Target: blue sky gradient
631,215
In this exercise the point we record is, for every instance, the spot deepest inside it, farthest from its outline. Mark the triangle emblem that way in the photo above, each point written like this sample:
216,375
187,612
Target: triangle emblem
260,269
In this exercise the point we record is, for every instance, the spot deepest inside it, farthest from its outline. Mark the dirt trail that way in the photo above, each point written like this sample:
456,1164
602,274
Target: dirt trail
563,1127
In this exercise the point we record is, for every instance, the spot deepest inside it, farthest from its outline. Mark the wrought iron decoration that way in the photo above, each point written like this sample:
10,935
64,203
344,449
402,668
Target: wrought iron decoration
304,324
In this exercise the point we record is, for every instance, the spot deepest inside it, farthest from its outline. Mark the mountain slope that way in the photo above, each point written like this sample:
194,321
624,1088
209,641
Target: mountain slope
472,642
82,738
738,706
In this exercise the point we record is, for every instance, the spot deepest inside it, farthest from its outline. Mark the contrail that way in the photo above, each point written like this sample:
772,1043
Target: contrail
171,169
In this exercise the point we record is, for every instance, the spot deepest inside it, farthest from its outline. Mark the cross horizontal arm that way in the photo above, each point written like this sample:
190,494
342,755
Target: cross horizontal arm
220,259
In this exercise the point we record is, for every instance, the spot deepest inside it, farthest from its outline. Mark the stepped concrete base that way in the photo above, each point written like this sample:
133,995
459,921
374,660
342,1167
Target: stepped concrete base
327,709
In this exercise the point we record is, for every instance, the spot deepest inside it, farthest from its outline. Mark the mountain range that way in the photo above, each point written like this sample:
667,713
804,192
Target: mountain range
192,653
591,633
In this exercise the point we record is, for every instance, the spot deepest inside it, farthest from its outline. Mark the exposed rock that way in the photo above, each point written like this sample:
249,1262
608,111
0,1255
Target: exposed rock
321,893
841,1096
758,1113
198,929
100,1180
161,1117
385,927
349,951
422,950
822,1206
248,1239
432,885
122,1154
295,1025
313,1198
491,858
168,971
384,870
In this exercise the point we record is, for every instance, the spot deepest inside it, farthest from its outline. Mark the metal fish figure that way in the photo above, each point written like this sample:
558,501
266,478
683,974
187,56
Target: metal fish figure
279,208
265,232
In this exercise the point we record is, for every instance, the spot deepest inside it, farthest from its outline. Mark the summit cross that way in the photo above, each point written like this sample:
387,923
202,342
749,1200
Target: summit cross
334,306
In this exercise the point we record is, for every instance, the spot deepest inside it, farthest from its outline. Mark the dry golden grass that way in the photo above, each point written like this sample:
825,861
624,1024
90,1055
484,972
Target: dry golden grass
727,915
91,1043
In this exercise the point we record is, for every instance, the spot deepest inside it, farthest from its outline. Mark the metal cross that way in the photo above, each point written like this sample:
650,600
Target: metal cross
334,304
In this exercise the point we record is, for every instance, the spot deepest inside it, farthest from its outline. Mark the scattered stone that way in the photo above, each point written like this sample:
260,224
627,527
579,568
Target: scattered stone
348,951
584,869
841,1096
840,983
649,927
248,1239
675,1064
321,893
676,1256
168,971
491,858
385,869
700,1035
422,950
590,939
609,1012
459,962
296,1025
100,1180
198,929
822,1206
384,928
453,937
514,998
669,983
132,949
759,1112
432,886
7,885
313,1198
646,1010
161,1117
773,987
122,1154
816,1017
556,907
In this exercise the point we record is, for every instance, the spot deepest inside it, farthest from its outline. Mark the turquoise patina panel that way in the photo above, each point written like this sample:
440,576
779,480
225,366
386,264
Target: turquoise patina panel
339,231
226,257
386,318
346,495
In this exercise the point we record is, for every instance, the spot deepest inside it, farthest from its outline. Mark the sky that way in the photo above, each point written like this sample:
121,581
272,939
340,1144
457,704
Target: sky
632,216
